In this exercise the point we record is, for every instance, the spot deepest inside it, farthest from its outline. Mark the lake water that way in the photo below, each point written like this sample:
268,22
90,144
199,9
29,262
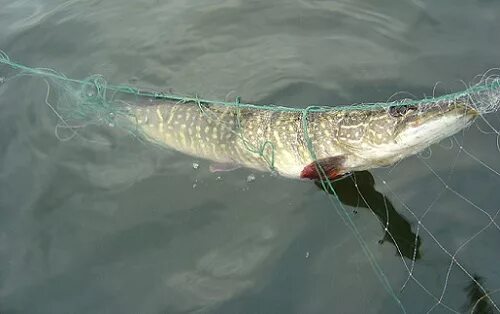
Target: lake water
127,227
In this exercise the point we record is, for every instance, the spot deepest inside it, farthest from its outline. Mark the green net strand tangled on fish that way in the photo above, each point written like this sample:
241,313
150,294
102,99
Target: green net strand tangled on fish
321,143
294,142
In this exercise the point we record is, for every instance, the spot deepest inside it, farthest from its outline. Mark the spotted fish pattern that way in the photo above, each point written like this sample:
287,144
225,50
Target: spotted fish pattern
287,142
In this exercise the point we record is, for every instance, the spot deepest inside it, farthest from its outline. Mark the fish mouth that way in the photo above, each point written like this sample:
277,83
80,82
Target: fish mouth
465,110
459,111
472,112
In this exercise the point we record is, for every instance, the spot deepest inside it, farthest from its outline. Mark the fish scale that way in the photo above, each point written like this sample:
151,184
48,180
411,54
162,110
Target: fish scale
263,139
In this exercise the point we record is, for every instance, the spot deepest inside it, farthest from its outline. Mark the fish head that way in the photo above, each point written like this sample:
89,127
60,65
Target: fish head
420,126
403,129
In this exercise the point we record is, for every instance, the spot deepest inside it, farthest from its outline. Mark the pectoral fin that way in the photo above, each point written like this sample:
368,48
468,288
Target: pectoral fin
326,168
222,167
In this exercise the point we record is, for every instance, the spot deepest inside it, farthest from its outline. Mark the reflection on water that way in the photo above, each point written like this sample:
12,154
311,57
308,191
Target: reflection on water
478,302
87,228
358,190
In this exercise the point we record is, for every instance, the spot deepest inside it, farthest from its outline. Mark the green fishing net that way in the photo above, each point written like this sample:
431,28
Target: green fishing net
82,103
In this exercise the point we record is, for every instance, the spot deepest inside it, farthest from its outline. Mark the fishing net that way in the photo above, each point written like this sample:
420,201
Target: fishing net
388,193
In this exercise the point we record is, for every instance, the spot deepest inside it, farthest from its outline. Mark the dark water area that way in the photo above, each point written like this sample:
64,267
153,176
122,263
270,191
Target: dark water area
105,223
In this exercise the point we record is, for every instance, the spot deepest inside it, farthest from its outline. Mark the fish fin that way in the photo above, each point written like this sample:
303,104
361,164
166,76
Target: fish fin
223,166
331,167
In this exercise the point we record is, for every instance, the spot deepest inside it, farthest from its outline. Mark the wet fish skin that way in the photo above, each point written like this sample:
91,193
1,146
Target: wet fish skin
265,139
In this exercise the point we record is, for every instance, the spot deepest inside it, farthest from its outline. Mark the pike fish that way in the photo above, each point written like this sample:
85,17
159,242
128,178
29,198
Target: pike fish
316,144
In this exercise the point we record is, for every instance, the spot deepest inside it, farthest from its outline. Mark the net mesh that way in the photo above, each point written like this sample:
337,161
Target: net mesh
92,101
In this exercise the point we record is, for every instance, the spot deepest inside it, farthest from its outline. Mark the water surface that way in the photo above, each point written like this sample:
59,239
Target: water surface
126,227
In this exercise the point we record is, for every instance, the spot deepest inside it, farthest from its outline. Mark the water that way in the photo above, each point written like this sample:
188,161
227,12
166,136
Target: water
129,228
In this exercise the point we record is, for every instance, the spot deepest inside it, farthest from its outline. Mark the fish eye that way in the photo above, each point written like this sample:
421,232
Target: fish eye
397,111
